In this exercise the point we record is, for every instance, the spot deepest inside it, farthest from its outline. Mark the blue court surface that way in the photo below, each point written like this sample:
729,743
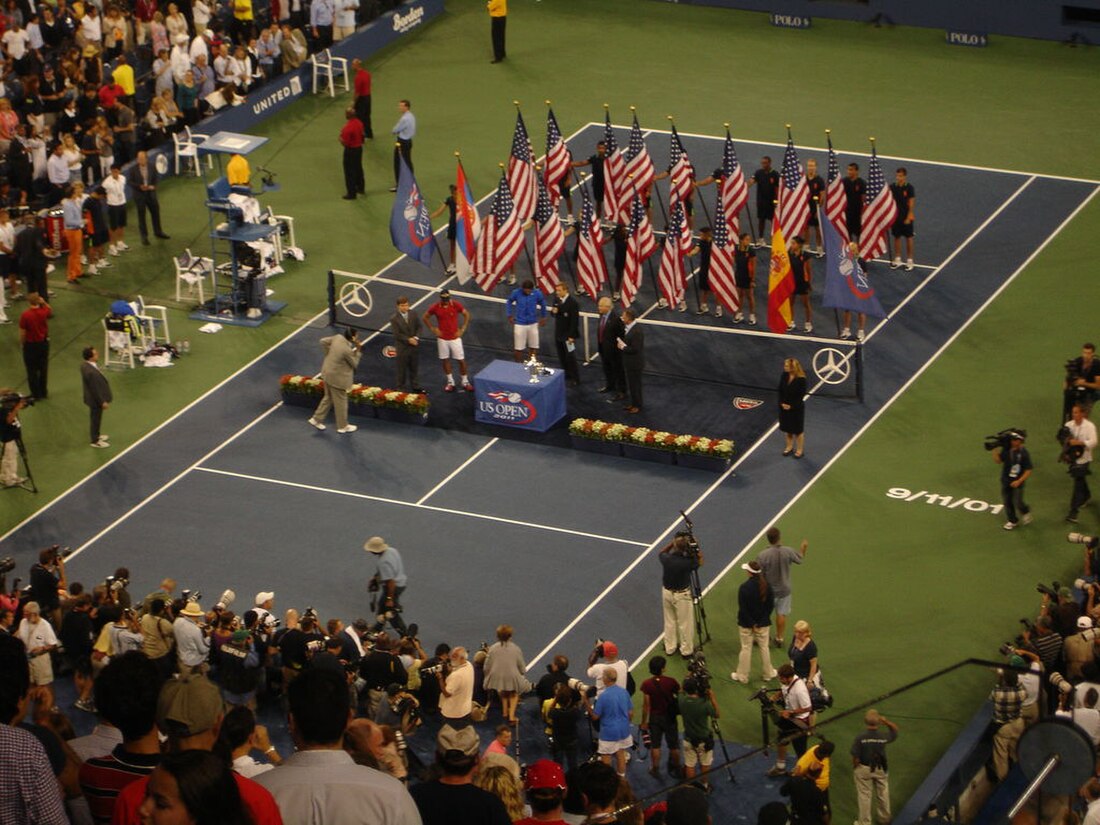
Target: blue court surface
238,491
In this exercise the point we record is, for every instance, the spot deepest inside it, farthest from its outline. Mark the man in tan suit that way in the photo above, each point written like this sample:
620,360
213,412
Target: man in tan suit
338,372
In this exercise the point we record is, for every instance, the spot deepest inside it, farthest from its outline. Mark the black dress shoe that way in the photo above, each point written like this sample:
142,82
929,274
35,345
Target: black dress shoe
349,197
619,396
163,237
144,241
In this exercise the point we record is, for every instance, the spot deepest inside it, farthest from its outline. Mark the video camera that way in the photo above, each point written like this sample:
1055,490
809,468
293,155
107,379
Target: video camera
1090,542
1003,439
697,668
7,564
1070,452
10,400
686,543
769,702
1050,592
116,583
191,595
580,687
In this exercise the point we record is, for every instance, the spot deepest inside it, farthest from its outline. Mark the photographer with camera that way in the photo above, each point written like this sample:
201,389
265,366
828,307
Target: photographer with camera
1082,380
698,707
240,669
47,580
10,434
192,639
1061,607
388,584
399,709
1077,445
456,687
1015,463
679,559
794,719
659,710
613,710
379,668
1079,649
609,652
563,715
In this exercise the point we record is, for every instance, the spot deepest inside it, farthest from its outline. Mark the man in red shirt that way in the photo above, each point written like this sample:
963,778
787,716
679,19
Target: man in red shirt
34,337
362,97
449,336
351,136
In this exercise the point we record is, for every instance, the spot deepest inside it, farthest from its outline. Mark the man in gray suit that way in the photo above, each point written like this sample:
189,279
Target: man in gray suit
406,340
97,394
338,372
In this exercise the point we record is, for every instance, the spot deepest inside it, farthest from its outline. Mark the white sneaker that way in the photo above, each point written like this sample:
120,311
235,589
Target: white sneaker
859,335
808,327
682,306
752,320
845,333
101,444
718,311
123,246
313,422
113,250
662,303
703,309
738,318
737,678
103,263
350,428
92,269
451,269
894,264
1025,518
790,327
909,265
1009,525
84,259
50,268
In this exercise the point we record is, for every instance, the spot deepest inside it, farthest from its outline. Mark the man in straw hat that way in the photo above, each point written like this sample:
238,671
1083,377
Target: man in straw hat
389,582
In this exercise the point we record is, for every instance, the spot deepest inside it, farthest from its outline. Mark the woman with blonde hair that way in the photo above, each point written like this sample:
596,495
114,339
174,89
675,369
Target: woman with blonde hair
792,407
803,652
505,672
501,783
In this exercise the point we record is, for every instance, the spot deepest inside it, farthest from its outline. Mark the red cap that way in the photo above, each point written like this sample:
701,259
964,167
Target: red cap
545,774
610,650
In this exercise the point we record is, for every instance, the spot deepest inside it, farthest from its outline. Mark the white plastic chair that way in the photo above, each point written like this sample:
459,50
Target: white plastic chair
187,147
193,272
326,66
148,317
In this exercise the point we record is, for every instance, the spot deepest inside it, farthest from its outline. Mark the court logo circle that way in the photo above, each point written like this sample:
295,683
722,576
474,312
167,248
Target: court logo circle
355,299
832,366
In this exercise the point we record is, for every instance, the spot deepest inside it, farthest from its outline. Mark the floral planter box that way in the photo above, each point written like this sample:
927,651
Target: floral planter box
390,414
646,444
593,445
654,454
370,402
703,462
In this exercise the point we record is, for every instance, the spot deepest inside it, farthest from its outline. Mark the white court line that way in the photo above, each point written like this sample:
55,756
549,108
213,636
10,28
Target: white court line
823,149
457,470
419,506
889,403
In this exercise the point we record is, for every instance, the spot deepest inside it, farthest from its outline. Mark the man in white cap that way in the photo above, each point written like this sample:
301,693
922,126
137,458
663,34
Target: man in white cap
389,579
265,603
192,645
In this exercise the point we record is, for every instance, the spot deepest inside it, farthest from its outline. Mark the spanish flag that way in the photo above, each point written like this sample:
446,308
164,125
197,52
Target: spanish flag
780,285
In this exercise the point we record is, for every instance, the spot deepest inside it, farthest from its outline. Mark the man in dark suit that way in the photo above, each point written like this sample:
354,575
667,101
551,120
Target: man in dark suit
608,330
143,178
566,331
97,394
632,345
406,340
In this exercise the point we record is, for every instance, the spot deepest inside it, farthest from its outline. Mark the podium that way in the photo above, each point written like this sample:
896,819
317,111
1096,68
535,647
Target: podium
504,395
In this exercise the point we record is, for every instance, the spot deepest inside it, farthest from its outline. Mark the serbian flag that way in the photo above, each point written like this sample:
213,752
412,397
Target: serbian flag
846,284
467,227
780,285
410,220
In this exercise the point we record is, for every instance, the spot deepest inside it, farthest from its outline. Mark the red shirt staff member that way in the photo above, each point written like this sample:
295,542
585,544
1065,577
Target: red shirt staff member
34,336
449,336
351,136
362,97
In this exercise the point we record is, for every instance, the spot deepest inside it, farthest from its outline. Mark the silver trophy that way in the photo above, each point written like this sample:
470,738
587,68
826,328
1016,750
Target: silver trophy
535,368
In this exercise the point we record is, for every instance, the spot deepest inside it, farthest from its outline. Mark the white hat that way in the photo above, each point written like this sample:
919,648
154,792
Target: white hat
263,596
1084,623
193,610
376,544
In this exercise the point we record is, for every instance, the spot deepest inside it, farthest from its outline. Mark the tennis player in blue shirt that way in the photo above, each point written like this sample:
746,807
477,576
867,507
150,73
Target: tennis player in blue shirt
526,313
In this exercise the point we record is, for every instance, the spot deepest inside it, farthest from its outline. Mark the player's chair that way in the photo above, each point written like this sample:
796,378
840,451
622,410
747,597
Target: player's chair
328,68
192,272
117,346
152,321
186,144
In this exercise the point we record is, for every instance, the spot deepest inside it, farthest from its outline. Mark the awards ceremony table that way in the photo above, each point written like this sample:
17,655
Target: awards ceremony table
505,395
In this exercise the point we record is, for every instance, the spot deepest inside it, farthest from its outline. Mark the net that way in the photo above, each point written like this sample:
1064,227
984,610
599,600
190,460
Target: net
678,345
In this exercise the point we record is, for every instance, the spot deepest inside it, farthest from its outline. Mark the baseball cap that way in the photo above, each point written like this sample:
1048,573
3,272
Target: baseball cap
444,294
188,706
1064,593
464,740
610,650
545,773
752,567
239,636
1084,623
263,596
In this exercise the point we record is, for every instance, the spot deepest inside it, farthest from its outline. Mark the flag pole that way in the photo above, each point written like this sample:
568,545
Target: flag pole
405,164
648,260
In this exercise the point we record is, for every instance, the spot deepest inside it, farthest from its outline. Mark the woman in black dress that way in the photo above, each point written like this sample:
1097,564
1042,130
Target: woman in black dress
792,409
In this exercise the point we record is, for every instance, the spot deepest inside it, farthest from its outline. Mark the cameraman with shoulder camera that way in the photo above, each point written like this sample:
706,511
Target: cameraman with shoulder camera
698,707
1015,463
1082,380
10,429
795,718
679,559
1077,447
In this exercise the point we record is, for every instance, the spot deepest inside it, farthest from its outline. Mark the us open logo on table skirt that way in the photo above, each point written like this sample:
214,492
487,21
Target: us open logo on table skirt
509,407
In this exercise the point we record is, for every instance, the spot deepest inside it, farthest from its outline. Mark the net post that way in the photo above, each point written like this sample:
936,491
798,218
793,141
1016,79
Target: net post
331,298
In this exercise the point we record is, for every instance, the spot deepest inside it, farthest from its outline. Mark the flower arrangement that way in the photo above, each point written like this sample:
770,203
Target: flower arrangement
657,439
411,402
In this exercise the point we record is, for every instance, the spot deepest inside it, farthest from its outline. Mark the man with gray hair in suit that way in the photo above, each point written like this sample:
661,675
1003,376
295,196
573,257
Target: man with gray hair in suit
342,354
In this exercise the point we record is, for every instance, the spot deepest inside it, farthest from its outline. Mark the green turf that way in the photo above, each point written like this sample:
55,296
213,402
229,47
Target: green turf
895,590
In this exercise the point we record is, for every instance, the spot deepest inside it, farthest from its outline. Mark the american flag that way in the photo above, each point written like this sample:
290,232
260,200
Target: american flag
591,266
671,279
521,172
501,239
681,174
614,172
639,166
639,246
557,158
734,193
793,212
835,199
549,242
879,212
721,278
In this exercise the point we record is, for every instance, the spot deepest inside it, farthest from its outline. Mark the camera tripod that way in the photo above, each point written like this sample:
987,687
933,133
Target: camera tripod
702,630
28,482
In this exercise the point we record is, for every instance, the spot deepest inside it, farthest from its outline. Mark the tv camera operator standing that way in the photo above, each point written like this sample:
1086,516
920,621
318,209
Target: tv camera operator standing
11,436
679,561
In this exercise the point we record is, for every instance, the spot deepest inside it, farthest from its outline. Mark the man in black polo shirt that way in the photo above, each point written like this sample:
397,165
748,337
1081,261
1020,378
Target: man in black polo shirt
815,190
854,188
766,181
596,161
904,198
678,561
